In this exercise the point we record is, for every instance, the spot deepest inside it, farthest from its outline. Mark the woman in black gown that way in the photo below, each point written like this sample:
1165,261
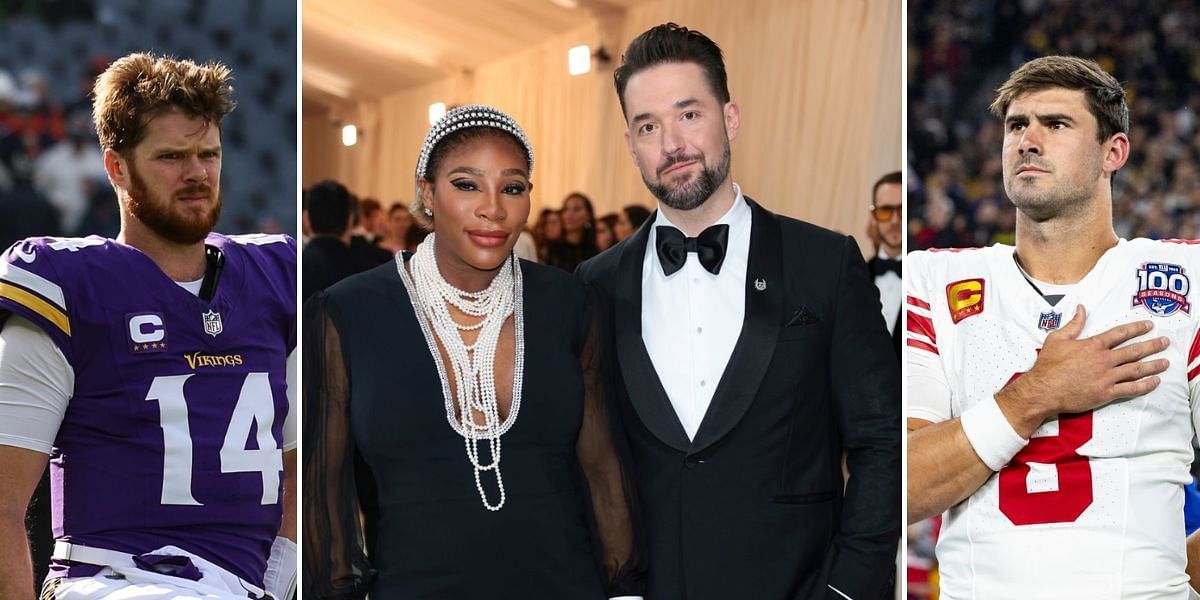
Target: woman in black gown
511,486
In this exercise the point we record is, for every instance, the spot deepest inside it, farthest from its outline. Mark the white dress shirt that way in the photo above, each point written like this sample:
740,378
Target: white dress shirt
889,285
692,319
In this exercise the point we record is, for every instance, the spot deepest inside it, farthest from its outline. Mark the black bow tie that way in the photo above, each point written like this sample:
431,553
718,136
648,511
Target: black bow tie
879,266
673,248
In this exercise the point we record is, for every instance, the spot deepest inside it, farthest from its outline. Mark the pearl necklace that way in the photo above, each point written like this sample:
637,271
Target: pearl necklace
473,364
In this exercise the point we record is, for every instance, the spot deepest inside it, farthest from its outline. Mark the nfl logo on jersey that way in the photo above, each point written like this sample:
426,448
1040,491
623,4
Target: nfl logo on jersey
1162,289
1049,321
212,323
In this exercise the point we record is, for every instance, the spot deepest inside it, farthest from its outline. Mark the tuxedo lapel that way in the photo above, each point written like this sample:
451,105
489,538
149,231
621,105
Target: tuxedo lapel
760,331
642,384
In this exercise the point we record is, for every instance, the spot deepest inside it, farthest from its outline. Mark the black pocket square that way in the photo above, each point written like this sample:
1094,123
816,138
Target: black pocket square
802,316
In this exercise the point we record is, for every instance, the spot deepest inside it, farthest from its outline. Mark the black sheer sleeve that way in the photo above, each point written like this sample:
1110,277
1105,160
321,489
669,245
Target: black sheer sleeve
335,567
604,456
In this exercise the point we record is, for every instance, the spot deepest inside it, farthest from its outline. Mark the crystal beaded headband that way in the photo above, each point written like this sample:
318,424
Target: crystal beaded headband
463,117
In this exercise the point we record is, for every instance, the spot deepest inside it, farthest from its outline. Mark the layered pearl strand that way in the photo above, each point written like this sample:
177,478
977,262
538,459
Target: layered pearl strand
473,364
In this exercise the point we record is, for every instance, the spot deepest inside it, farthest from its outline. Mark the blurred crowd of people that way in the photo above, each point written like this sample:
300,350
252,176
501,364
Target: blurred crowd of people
567,236
345,234
52,179
959,52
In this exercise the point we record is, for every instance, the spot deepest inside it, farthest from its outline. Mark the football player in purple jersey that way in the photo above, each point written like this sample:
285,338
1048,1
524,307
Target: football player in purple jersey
152,370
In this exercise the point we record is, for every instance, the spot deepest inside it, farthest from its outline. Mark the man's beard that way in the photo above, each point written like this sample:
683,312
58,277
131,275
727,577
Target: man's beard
883,237
691,194
1040,203
160,216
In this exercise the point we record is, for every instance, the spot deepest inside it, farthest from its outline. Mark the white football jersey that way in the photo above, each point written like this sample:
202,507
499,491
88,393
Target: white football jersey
1092,507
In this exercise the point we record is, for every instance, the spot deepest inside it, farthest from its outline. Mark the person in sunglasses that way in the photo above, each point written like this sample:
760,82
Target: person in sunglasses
884,227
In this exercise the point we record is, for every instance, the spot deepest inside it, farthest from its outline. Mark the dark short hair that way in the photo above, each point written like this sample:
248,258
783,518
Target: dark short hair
330,205
1104,95
671,43
893,177
136,88
637,214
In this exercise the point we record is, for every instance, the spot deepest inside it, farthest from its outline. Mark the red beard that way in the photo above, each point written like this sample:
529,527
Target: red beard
164,217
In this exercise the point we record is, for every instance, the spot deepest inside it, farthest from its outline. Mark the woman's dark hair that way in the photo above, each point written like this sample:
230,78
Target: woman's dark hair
589,229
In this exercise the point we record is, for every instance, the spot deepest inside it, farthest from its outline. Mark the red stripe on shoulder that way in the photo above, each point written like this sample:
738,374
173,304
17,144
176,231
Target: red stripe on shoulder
917,302
1192,374
1195,351
922,325
1179,241
922,345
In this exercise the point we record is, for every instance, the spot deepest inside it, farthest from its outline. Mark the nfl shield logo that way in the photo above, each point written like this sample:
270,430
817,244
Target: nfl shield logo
212,323
1049,321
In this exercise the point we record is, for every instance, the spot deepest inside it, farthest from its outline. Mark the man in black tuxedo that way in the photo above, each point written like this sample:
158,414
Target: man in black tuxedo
885,225
750,361
327,257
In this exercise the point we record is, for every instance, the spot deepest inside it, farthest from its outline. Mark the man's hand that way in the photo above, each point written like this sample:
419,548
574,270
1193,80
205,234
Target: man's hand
1070,375
1073,375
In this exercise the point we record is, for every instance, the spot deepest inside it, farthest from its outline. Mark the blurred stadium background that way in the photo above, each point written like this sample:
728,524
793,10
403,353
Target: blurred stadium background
960,51
52,180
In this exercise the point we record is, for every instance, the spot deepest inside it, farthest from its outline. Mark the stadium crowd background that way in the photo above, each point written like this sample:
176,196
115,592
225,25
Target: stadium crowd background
52,179
960,51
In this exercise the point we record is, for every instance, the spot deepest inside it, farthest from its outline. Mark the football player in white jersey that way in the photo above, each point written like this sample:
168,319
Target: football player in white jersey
1052,385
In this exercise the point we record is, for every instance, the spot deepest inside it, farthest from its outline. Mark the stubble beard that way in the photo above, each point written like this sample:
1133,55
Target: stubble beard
883,238
1058,200
161,216
693,193
1040,202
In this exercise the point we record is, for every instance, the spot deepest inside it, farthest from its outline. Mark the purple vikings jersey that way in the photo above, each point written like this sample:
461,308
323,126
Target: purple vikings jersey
174,431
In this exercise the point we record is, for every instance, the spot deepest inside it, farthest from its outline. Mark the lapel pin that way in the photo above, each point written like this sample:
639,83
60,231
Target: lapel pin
760,284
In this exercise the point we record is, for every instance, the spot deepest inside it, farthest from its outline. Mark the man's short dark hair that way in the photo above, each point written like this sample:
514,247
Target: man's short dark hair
1104,95
330,205
637,214
893,177
671,43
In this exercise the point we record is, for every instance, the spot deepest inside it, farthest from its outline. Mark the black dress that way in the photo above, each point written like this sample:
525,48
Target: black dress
567,256
371,386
